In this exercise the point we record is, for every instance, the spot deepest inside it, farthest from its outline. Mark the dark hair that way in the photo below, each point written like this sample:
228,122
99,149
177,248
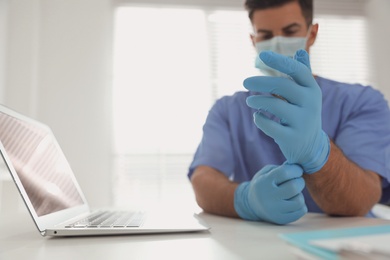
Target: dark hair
306,6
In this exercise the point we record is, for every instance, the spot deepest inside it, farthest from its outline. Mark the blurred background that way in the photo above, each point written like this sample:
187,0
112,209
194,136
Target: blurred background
126,84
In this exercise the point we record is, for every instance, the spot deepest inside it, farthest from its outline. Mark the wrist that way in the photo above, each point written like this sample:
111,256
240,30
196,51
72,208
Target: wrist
241,202
321,156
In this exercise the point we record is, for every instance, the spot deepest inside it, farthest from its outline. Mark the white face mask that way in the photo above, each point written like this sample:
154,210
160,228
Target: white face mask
279,44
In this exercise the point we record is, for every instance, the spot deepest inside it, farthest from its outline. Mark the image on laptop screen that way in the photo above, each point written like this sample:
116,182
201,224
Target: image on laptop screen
44,172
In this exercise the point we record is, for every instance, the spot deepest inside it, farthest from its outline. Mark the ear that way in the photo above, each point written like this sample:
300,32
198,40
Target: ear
312,36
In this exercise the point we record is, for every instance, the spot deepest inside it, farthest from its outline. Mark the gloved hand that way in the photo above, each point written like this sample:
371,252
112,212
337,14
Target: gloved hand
273,195
299,133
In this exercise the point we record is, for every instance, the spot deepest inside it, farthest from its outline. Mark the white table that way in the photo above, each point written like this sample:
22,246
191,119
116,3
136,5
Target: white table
227,239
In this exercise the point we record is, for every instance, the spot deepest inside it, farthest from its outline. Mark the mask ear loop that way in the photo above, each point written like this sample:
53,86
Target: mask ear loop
309,30
308,33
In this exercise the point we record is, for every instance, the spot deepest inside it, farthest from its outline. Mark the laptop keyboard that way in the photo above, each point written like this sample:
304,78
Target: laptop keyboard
110,219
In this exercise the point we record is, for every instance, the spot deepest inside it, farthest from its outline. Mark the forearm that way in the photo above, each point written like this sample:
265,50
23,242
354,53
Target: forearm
214,191
343,188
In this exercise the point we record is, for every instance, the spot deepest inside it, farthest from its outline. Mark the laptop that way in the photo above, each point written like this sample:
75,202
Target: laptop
53,196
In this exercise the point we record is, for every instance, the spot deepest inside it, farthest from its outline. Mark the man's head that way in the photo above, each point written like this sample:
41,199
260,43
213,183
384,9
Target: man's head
305,5
288,18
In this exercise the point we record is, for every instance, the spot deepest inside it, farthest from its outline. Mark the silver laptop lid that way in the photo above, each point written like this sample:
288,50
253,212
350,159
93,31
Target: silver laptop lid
40,170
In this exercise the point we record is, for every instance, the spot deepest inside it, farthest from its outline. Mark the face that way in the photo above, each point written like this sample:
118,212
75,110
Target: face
286,20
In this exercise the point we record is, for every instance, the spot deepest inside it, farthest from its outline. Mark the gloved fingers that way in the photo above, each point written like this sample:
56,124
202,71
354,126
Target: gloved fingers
277,107
293,204
291,188
291,216
299,212
266,169
268,126
296,202
283,87
285,173
295,69
303,57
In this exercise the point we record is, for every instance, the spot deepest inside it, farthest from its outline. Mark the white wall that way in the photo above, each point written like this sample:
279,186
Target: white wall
379,35
58,70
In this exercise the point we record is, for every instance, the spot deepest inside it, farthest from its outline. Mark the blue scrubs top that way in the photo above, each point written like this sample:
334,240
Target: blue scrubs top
355,117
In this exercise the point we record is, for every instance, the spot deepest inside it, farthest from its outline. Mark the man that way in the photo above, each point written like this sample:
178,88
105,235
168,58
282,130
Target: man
296,142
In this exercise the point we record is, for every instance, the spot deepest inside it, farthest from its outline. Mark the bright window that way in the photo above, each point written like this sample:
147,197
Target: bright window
170,64
341,49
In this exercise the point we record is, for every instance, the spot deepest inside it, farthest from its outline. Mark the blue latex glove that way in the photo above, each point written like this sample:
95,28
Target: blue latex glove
297,102
273,195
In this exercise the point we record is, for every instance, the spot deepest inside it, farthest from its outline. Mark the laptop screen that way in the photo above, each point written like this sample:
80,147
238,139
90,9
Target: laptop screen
40,164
